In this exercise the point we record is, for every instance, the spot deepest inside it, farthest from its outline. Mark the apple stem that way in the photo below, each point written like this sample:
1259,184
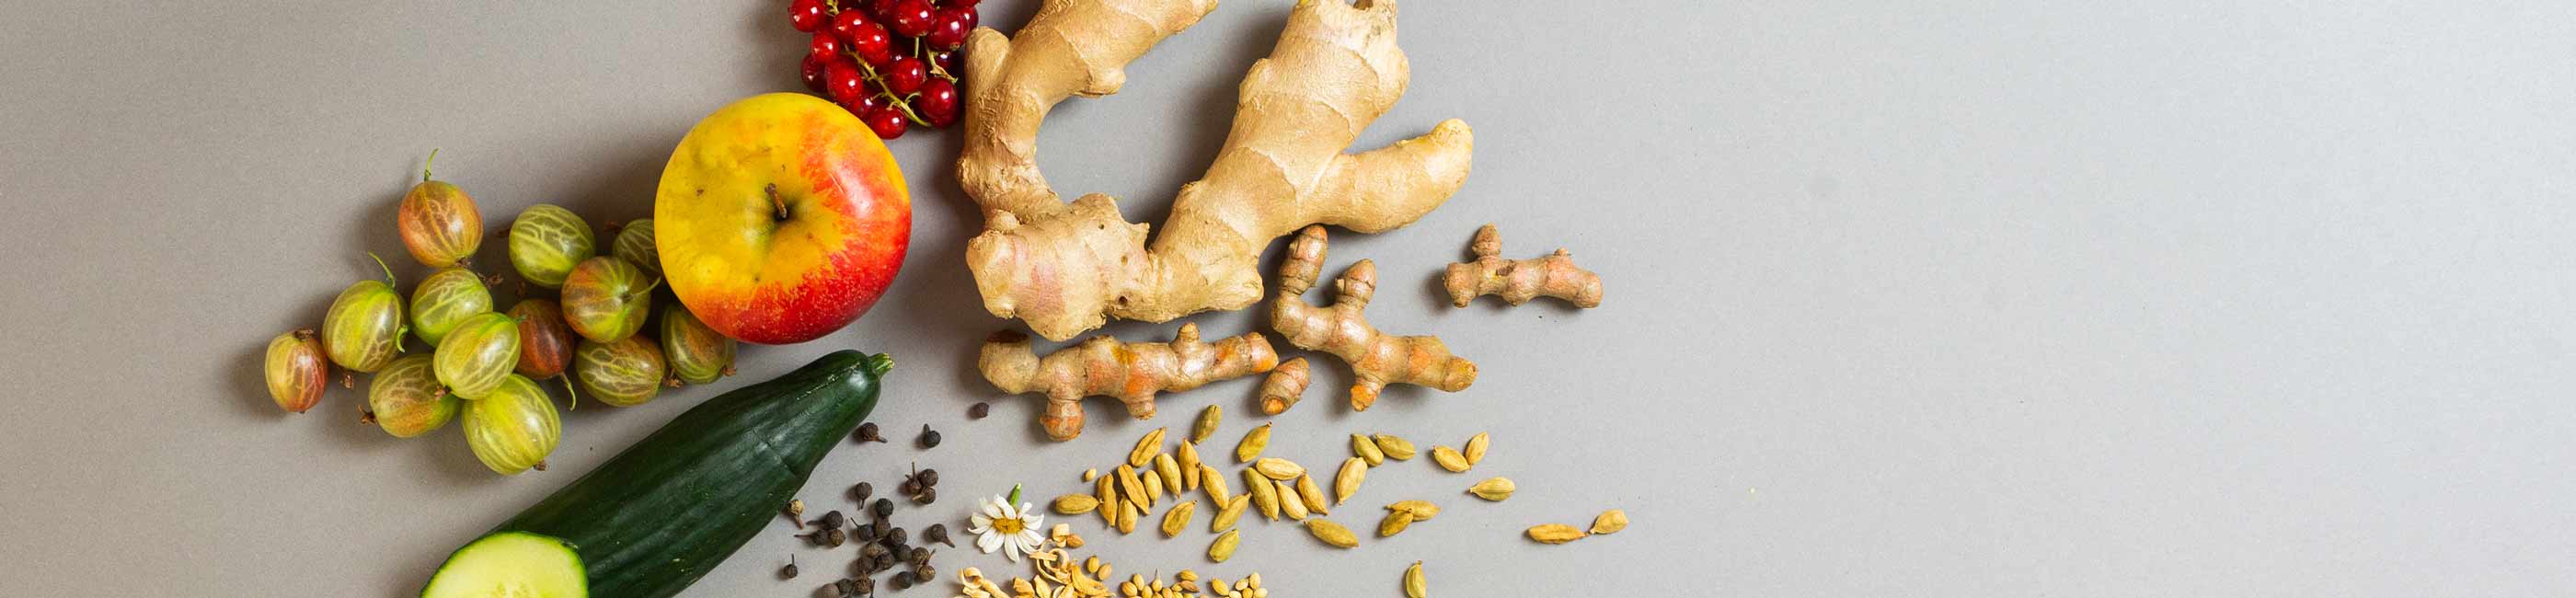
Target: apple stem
779,202
424,164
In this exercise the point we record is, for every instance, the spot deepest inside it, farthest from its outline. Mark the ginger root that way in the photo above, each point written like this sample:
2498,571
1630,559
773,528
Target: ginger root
1377,359
1285,386
1066,268
1518,281
1130,372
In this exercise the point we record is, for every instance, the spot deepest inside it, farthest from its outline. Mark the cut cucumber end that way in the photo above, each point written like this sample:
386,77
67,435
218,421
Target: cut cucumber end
511,565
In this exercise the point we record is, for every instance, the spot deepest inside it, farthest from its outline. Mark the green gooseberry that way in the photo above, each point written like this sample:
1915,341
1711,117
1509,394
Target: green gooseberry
606,298
478,354
514,428
698,354
623,373
635,244
447,297
406,400
363,330
546,241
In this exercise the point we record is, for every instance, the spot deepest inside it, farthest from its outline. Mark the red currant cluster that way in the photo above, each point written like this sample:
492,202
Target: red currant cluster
891,62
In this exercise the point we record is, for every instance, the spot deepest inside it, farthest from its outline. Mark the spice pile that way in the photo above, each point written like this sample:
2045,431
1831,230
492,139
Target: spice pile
1057,575
882,545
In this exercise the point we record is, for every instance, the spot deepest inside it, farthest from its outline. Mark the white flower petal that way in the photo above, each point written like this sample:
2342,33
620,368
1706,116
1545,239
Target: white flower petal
988,542
1035,520
981,521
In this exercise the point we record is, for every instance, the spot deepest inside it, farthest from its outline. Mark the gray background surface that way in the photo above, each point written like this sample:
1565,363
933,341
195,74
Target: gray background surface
2009,298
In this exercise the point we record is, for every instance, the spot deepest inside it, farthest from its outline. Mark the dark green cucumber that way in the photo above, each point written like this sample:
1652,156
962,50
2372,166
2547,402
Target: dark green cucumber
654,519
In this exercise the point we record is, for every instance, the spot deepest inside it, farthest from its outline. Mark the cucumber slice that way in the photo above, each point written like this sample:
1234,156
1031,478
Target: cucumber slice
511,565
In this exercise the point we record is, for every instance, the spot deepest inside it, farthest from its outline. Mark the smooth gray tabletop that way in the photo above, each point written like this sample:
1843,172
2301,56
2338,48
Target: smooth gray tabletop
1997,298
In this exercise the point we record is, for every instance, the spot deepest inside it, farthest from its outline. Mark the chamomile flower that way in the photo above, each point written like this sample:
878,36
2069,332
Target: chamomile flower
1007,525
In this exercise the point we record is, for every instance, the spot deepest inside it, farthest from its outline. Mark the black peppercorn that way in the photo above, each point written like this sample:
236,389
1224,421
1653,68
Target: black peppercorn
925,571
788,571
866,532
831,520
929,437
867,585
846,586
937,532
902,580
928,477
836,538
979,410
868,433
860,492
918,556
909,487
883,508
926,496
872,550
893,538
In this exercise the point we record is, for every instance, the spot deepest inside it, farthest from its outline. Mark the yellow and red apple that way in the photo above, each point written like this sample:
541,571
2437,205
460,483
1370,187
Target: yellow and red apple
780,219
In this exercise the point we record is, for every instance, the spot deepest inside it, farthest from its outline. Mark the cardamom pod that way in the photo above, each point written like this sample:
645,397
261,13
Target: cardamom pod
1224,547
1495,489
1170,470
1213,483
1367,449
1475,451
1394,523
1610,522
1333,533
1421,510
1413,586
1313,496
1555,533
1395,448
1145,448
1253,442
1262,494
1290,505
1131,487
1178,517
1449,459
1127,514
1347,481
1278,469
1227,513
1153,487
1206,425
1075,504
1108,495
1188,459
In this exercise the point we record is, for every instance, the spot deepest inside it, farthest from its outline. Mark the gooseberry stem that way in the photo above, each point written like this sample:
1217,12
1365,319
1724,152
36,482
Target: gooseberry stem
424,164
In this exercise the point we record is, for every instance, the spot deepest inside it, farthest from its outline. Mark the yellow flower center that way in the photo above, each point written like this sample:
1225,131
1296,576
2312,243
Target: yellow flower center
1007,526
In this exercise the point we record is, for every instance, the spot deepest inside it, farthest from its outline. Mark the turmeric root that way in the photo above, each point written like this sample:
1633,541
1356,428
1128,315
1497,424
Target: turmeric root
1285,386
1066,268
1377,359
1130,372
1518,281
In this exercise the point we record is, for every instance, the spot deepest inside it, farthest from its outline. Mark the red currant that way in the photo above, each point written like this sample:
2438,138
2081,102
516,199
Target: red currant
947,62
912,18
826,45
865,104
845,81
949,31
937,103
871,43
847,22
881,9
806,15
905,75
886,121
813,71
